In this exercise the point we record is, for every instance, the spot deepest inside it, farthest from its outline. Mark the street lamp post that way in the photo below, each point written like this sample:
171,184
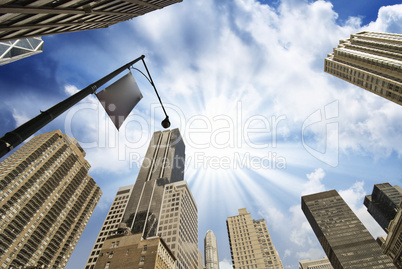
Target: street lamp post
12,139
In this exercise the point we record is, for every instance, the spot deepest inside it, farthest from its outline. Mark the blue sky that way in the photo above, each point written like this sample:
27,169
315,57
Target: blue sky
244,82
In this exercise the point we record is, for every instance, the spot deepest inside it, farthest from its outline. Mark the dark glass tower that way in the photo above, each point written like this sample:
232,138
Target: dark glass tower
383,203
163,164
343,237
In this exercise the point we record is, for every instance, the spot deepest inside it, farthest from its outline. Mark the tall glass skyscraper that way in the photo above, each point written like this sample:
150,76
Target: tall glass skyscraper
343,237
372,61
46,200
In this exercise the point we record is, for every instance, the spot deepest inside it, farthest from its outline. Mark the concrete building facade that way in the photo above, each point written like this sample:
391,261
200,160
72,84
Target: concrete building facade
343,237
111,223
178,224
160,205
200,260
129,251
393,243
372,61
46,200
323,263
250,243
163,164
211,251
383,203
24,19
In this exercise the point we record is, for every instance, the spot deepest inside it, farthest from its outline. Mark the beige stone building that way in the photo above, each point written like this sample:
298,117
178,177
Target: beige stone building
129,251
178,229
111,223
393,244
250,243
178,224
46,200
372,61
211,251
200,260
323,263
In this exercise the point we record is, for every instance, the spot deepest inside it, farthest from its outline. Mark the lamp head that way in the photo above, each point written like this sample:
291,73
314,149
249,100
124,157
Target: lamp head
166,123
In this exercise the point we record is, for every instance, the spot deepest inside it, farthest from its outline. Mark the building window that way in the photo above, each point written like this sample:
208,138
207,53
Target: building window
142,259
107,265
144,248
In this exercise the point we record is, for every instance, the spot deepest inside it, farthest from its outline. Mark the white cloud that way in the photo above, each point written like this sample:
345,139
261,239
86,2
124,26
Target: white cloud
19,117
293,226
287,253
272,58
275,216
301,232
225,264
311,254
70,89
314,184
389,20
354,195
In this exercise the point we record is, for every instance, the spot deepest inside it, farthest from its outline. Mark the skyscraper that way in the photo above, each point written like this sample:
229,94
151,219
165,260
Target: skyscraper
393,244
160,205
130,252
11,51
316,264
372,61
46,199
178,224
38,18
163,164
383,203
200,260
343,237
111,223
211,251
250,243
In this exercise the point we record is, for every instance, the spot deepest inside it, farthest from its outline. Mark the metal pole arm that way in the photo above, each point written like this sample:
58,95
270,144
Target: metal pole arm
12,139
